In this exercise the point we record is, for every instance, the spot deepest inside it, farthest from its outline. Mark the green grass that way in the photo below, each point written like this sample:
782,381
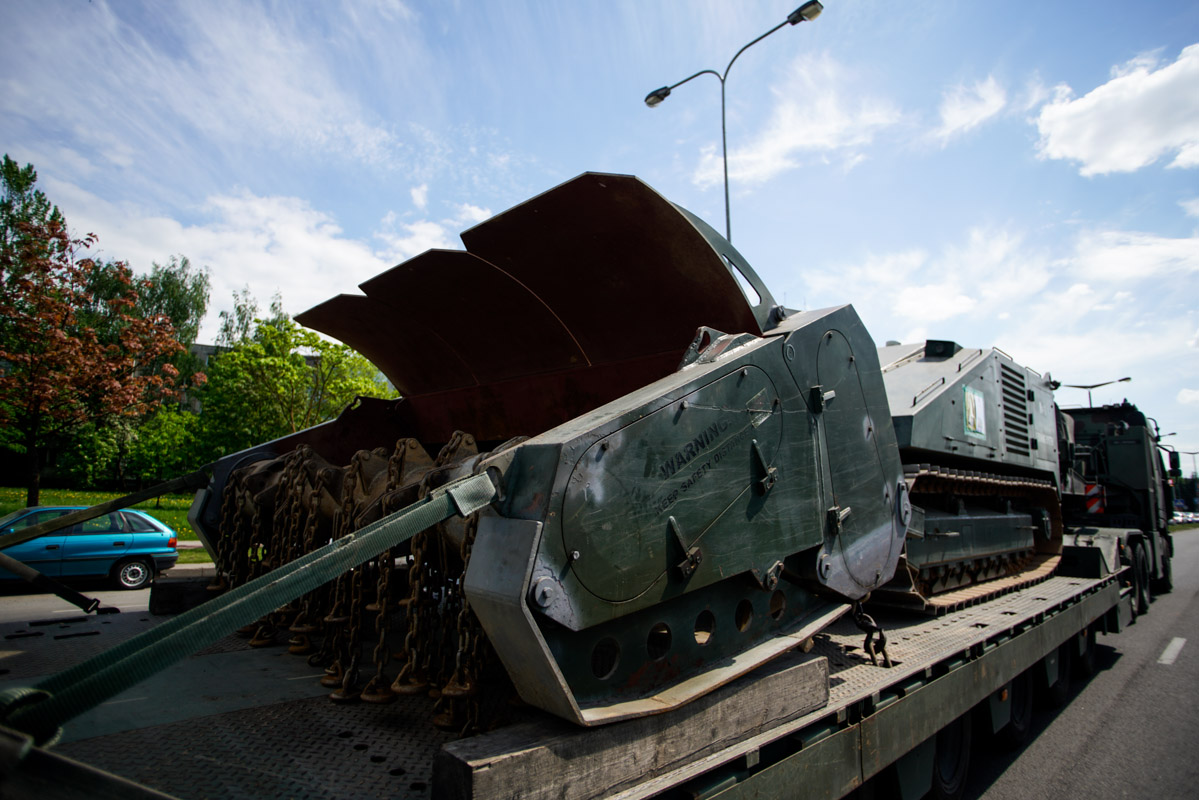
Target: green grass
196,556
170,509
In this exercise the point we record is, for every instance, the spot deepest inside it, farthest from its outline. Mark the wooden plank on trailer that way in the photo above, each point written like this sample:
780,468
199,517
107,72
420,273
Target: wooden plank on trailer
551,758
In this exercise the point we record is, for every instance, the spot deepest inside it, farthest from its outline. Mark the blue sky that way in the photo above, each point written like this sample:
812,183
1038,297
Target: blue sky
958,170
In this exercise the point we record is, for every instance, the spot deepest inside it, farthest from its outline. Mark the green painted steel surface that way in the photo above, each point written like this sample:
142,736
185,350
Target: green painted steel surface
690,461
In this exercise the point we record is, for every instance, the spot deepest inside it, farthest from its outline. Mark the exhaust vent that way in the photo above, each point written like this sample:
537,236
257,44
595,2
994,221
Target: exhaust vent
1015,410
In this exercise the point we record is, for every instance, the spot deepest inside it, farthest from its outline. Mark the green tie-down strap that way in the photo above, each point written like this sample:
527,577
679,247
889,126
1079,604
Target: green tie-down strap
42,710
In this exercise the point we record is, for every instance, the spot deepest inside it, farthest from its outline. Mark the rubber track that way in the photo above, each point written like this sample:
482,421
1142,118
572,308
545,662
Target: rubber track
935,479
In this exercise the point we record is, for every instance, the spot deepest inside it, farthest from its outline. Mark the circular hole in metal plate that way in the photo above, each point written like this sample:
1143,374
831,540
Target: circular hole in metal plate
657,644
744,615
604,658
778,604
705,624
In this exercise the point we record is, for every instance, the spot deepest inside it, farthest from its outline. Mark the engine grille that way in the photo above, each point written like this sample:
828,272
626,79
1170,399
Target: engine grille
1015,410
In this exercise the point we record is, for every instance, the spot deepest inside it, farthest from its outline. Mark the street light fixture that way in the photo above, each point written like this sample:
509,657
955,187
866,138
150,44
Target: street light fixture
1091,386
805,13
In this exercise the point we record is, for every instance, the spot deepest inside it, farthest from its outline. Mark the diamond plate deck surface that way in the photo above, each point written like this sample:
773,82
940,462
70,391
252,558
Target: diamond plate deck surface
916,641
302,749
313,748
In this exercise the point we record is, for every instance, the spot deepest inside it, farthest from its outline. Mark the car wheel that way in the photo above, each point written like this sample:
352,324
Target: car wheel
133,574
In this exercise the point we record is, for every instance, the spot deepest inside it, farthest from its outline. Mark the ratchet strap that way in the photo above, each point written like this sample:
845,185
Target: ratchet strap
40,711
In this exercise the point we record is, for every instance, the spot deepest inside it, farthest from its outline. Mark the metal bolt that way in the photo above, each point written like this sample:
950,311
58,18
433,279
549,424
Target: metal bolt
574,555
544,592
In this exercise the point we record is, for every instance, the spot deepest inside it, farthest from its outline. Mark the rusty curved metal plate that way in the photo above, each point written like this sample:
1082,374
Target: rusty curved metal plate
414,358
497,326
571,287
618,263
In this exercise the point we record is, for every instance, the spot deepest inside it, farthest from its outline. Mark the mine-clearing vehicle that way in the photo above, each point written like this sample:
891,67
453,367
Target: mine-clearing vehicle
636,529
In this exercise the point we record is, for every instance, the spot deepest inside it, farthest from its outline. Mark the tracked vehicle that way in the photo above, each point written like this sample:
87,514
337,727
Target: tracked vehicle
694,479
647,507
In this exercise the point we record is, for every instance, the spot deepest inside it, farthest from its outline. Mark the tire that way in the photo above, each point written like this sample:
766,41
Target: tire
1084,665
1057,694
1141,591
951,763
1165,582
1018,731
1134,579
132,574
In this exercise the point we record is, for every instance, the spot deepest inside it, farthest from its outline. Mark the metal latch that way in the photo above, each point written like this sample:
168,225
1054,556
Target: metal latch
694,557
769,474
818,398
836,519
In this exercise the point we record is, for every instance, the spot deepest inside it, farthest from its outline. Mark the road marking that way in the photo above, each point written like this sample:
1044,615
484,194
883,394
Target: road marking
118,702
1172,650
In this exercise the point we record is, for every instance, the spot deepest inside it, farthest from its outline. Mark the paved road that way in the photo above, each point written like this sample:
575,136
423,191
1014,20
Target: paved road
22,603
1133,730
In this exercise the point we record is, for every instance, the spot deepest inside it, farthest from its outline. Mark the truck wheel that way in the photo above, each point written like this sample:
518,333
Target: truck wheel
1141,592
1165,583
1134,579
1084,667
951,764
1018,730
132,574
1055,696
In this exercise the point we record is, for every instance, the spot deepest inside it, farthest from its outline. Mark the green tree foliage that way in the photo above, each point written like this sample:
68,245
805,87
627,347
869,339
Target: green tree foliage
59,369
167,445
276,378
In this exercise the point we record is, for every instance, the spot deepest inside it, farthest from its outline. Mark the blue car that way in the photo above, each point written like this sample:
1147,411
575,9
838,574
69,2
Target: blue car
129,547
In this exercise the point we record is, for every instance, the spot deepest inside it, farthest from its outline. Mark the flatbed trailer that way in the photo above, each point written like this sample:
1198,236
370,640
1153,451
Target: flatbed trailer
768,734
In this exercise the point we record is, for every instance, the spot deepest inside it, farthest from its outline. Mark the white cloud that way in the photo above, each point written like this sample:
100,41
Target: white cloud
965,108
1144,113
1130,256
268,244
420,196
233,75
403,240
472,215
1188,397
813,113
1035,93
1190,207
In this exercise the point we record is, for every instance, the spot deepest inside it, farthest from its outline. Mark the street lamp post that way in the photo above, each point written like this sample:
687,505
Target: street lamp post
1091,386
805,13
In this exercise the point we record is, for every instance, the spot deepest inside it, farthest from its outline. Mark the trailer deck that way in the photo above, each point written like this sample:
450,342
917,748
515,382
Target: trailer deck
279,735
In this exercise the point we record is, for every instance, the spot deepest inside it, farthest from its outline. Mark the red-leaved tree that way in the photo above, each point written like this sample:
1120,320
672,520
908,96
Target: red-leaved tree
57,371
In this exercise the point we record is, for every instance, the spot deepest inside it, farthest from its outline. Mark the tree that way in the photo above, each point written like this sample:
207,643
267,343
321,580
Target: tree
277,378
59,370
176,291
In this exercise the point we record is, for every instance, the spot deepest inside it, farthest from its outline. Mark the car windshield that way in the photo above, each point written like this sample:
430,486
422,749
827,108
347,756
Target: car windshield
7,519
28,517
